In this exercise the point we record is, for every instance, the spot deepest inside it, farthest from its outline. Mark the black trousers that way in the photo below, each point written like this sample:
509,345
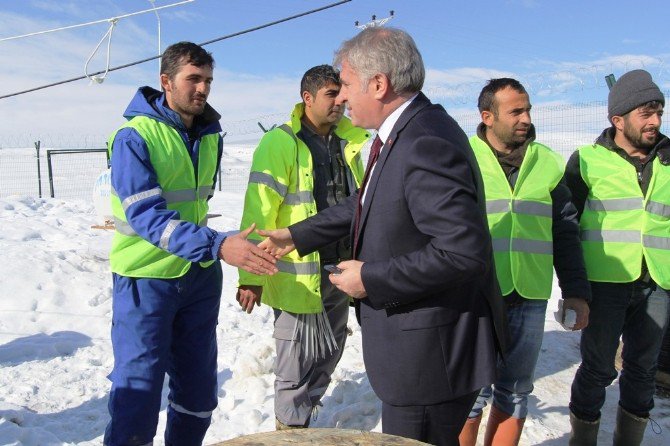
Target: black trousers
438,424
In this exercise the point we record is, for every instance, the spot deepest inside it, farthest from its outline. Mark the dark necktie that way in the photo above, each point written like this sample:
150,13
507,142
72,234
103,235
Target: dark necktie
372,159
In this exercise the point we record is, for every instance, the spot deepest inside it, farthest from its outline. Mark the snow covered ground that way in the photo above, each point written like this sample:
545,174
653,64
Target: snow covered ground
55,353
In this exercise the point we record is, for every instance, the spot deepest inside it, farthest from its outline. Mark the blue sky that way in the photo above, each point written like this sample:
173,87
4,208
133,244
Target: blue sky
561,50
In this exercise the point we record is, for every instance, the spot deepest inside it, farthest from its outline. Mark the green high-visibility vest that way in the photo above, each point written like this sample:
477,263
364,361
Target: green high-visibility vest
279,194
133,256
520,219
619,225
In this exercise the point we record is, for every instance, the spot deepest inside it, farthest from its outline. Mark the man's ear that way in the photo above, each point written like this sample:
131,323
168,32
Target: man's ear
381,85
307,98
487,118
618,122
165,82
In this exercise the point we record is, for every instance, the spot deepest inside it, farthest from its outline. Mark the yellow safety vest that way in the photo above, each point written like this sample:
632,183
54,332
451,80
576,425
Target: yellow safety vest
619,225
279,194
521,219
133,256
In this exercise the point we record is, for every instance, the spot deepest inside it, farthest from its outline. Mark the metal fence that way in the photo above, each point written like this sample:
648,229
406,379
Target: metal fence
50,173
562,127
70,169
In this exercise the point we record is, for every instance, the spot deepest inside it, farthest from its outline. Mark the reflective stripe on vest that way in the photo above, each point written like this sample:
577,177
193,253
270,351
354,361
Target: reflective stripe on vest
620,227
132,255
520,220
295,268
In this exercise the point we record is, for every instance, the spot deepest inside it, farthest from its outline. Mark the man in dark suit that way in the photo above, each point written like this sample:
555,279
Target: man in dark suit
429,305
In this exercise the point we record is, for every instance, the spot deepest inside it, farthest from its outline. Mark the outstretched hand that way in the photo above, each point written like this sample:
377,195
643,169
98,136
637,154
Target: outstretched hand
237,251
278,242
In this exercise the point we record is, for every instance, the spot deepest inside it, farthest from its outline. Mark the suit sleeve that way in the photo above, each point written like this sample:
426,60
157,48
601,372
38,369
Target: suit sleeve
440,184
135,182
327,226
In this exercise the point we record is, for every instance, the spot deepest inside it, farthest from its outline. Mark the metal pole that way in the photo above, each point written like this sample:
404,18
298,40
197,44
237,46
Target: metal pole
222,143
51,177
39,170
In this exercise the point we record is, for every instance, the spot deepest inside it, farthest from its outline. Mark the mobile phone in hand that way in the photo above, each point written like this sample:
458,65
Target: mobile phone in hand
332,269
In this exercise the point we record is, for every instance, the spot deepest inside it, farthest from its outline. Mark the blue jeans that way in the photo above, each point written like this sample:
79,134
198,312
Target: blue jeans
637,315
164,326
515,375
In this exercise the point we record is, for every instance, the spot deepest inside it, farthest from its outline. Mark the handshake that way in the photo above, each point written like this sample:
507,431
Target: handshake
237,251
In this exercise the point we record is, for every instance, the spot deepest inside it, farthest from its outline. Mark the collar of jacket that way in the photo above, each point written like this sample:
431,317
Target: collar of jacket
151,103
344,128
661,149
419,103
515,158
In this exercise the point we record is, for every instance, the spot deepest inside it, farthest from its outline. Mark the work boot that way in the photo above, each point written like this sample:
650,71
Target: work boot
583,433
502,429
468,436
282,427
629,428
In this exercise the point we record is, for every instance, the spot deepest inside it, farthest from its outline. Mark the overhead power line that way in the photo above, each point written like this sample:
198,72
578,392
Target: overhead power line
148,59
94,22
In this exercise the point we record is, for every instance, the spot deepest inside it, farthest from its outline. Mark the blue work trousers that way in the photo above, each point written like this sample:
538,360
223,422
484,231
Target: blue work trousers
164,326
639,315
515,375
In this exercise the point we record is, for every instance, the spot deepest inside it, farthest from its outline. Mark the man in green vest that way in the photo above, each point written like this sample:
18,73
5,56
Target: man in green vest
533,229
164,258
621,188
300,168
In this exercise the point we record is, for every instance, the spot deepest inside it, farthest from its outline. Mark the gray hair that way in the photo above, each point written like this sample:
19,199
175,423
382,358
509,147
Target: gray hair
389,51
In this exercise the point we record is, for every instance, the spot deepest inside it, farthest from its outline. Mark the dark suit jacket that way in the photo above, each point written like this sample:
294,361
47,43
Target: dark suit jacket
433,318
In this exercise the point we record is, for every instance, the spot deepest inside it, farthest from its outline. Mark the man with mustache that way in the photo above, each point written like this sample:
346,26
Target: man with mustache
534,229
621,188
164,258
302,167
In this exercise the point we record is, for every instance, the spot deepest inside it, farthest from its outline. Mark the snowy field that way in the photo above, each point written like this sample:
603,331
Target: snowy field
55,352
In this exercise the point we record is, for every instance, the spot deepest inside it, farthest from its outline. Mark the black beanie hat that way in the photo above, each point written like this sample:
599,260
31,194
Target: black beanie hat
633,89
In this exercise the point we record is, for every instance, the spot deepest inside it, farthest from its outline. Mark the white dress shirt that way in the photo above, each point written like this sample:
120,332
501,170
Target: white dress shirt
384,132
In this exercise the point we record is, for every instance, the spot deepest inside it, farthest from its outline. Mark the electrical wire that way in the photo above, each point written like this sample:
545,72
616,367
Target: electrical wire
94,22
148,59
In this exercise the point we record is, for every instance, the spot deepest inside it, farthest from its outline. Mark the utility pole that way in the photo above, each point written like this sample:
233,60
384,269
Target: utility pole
374,22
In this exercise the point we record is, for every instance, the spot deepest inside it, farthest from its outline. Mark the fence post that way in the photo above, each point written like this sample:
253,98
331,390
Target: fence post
39,170
51,177
220,166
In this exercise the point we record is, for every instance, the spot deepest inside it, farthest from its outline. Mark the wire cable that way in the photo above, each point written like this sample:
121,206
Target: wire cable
94,22
158,18
94,78
148,59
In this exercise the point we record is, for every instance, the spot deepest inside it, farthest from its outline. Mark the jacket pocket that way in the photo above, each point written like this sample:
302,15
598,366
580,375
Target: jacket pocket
284,334
427,318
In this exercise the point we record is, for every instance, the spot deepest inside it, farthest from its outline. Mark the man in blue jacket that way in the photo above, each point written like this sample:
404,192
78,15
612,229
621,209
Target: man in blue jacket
164,258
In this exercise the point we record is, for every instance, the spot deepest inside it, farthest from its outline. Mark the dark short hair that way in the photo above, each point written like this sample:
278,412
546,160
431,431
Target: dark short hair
654,105
486,101
182,53
318,77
